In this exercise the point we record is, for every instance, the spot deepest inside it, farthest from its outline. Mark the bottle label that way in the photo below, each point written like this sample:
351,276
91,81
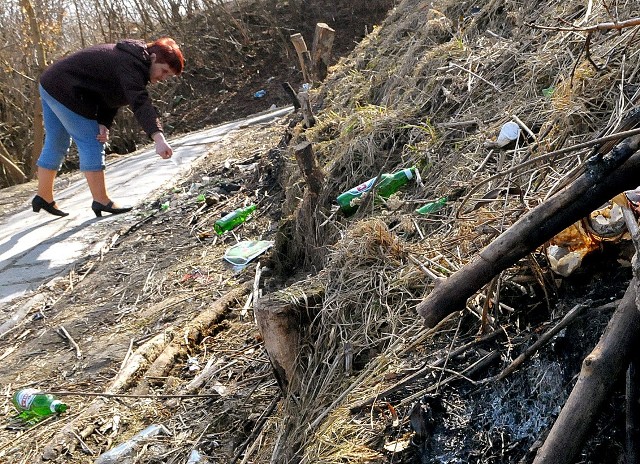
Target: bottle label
25,397
364,187
408,173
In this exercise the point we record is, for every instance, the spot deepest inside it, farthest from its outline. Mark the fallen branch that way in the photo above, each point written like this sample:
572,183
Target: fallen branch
257,429
64,334
18,315
137,361
190,335
474,368
600,371
420,373
157,351
616,25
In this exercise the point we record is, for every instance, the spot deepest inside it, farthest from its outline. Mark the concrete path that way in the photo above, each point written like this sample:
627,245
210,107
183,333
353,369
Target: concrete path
34,248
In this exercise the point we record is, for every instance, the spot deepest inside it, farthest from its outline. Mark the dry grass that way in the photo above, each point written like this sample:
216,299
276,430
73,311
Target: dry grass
396,102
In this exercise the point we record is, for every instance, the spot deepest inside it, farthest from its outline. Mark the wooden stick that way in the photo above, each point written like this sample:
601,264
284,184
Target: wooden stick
292,95
159,347
307,113
189,336
308,164
64,334
18,315
632,426
257,428
321,50
482,363
601,369
131,395
420,373
545,338
303,56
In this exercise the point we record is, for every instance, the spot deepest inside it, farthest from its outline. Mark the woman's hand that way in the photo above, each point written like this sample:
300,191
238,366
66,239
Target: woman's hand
103,135
163,149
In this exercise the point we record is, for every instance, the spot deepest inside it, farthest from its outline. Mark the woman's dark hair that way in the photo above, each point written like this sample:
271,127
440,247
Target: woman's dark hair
168,52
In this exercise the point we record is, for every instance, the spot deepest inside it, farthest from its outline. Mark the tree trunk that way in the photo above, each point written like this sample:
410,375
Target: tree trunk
280,322
38,128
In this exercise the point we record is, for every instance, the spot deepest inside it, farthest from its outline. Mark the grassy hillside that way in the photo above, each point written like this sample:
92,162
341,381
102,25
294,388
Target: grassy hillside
430,88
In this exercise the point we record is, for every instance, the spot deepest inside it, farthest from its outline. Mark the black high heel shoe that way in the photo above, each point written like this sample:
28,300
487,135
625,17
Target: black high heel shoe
39,203
99,208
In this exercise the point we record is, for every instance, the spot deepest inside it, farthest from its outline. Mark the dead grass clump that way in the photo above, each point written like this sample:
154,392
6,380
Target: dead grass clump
364,312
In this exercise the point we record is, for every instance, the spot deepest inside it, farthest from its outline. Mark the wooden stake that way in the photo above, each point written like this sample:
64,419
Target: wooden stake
307,114
303,56
308,164
632,455
292,95
321,50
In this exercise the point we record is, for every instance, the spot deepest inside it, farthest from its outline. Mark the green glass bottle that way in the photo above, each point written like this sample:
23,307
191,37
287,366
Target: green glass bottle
387,186
433,206
35,405
233,219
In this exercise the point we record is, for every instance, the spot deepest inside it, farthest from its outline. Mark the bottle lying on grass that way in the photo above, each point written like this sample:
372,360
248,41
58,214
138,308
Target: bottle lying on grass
387,186
33,405
233,219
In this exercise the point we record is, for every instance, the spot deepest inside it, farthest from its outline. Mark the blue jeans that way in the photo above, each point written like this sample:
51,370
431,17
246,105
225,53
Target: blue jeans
61,125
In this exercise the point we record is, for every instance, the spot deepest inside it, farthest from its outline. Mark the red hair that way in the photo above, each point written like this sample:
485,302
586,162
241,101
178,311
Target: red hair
168,52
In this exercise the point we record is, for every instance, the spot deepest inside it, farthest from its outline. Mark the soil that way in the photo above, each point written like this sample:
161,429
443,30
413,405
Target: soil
159,274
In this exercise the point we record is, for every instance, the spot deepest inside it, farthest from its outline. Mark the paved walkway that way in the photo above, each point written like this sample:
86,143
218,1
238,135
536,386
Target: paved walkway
34,248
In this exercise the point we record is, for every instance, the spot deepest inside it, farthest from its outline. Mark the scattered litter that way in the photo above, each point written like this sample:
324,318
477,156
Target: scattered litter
433,206
126,452
607,222
243,252
398,445
387,185
196,458
193,364
176,159
233,219
508,133
568,248
164,206
548,92
260,94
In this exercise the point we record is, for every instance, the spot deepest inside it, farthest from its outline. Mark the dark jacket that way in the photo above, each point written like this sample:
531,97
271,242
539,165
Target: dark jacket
94,82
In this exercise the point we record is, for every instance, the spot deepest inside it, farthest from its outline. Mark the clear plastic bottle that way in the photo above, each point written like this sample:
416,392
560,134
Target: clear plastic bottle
233,219
387,186
35,405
